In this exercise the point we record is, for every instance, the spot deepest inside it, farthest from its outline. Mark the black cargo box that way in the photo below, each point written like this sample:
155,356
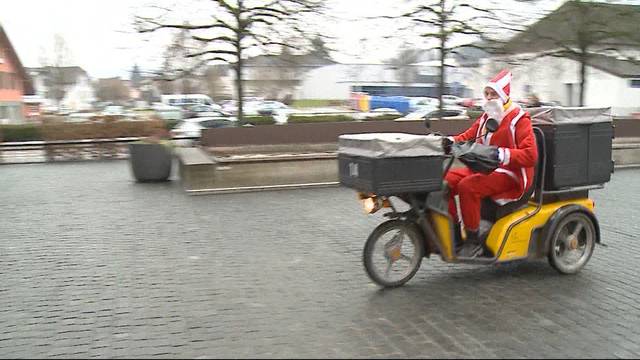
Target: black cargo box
578,143
390,163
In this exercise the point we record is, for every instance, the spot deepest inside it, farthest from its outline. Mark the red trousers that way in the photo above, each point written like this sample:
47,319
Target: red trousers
472,188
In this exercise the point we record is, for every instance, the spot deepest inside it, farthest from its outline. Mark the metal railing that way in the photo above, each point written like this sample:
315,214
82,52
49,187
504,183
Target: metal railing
69,150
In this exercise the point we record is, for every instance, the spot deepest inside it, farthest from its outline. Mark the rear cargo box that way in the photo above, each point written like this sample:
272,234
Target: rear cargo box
578,143
390,163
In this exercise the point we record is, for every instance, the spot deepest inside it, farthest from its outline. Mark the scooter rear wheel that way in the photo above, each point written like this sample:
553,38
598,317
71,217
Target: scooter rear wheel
393,253
572,243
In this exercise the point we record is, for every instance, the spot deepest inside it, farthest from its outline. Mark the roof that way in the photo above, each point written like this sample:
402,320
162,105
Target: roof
70,74
618,67
28,84
575,19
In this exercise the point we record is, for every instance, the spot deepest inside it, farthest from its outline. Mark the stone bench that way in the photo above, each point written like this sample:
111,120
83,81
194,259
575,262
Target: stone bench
197,169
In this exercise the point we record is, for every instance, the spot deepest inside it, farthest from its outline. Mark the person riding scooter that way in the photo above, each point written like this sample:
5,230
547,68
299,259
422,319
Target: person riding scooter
515,150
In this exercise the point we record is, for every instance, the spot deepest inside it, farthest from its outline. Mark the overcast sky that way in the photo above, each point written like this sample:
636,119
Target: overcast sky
101,39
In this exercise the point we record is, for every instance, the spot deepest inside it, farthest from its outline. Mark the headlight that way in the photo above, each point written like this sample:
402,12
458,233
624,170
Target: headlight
374,203
370,205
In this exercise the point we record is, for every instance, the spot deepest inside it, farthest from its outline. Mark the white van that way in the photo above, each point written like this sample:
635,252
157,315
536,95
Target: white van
183,100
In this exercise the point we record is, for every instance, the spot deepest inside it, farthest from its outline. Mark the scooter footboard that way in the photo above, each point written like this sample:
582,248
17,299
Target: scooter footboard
443,229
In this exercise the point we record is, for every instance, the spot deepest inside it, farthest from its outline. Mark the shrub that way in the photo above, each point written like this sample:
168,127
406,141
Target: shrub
17,133
383,117
317,103
258,120
300,119
170,124
100,130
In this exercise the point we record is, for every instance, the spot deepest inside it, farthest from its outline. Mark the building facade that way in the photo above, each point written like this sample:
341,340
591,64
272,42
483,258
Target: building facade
14,83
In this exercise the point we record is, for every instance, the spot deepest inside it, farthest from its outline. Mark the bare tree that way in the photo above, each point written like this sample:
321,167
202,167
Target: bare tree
57,75
179,69
405,62
582,31
236,27
448,23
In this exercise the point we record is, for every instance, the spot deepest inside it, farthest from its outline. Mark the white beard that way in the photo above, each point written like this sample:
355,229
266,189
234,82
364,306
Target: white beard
494,109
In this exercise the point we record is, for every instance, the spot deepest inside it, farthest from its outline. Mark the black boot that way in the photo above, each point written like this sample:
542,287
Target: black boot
457,237
471,247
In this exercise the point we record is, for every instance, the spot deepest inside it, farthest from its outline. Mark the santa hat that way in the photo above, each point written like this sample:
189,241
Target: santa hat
501,83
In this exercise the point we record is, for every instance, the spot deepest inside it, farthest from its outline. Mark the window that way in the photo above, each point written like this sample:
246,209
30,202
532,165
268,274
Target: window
634,83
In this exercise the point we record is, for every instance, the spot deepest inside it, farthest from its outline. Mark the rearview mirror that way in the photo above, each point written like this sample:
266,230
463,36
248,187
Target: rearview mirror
492,125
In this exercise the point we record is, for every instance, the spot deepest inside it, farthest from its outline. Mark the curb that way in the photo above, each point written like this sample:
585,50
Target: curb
242,189
246,189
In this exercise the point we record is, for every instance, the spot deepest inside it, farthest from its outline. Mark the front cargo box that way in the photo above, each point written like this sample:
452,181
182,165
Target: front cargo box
390,163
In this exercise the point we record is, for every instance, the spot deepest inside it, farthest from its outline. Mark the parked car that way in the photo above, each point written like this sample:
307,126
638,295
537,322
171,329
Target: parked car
193,127
229,107
449,113
80,117
113,110
431,112
271,107
167,112
472,103
203,110
49,109
421,102
419,113
451,100
278,110
116,110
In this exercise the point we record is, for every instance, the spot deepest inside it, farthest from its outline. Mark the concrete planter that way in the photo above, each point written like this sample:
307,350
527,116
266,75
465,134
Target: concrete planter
150,162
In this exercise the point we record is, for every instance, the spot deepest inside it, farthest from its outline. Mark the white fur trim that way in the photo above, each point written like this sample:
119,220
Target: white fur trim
488,136
483,120
512,126
508,172
499,90
506,156
502,202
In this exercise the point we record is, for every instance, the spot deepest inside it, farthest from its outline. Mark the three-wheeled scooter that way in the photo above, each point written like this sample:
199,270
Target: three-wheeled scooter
560,225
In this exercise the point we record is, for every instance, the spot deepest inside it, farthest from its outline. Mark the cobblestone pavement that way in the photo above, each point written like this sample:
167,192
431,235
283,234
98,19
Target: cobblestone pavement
95,265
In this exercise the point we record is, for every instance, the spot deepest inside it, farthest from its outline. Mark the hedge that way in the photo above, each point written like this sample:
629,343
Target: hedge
16,133
71,131
258,120
383,117
170,123
300,119
317,103
77,131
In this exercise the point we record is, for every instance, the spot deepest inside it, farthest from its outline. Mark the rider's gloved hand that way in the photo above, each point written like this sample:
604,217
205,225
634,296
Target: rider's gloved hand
446,145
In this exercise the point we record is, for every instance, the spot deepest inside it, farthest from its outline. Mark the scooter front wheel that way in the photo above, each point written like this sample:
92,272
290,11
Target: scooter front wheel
393,253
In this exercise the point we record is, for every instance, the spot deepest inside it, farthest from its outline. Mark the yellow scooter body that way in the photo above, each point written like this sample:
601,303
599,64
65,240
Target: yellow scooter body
518,242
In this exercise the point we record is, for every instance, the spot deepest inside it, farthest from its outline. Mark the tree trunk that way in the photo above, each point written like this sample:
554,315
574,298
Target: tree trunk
442,80
239,64
443,54
583,78
240,90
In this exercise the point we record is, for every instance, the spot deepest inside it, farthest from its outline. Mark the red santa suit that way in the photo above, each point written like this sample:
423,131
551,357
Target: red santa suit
517,152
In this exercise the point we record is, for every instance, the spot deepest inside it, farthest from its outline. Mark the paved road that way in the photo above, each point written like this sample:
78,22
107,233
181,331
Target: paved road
95,265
